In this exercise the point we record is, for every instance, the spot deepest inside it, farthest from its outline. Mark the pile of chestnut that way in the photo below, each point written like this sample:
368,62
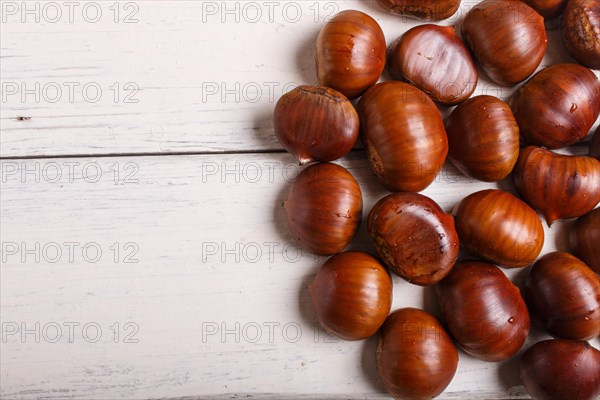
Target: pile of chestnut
407,143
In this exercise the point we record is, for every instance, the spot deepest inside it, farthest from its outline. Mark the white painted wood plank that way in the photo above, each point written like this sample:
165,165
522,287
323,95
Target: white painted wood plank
213,289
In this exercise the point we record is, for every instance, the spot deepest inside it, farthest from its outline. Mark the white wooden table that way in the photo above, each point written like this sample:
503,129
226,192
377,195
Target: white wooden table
145,252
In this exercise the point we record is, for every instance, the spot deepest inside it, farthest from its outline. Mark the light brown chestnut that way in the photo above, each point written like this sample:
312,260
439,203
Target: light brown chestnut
435,60
498,227
595,144
560,186
580,30
483,138
404,136
584,239
350,53
352,295
549,9
425,10
324,208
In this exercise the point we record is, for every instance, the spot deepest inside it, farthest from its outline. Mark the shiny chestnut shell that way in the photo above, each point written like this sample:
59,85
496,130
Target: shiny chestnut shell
585,239
414,236
416,358
498,227
483,311
563,295
507,38
404,136
315,123
559,369
557,106
549,9
580,30
595,144
559,185
483,138
324,208
352,295
351,52
425,10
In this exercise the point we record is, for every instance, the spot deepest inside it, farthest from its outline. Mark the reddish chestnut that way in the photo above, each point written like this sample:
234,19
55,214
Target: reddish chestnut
483,137
549,9
352,295
500,228
558,369
414,236
558,106
350,53
416,358
563,295
324,208
559,185
404,135
483,311
507,37
581,31
315,123
585,238
425,10
595,144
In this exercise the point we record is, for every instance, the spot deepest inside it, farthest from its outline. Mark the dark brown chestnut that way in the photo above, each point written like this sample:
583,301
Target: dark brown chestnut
563,296
549,9
324,208
483,138
414,237
350,53
435,60
498,227
558,106
416,357
560,186
352,295
559,369
581,31
404,135
425,10
507,38
483,311
595,144
585,239
315,123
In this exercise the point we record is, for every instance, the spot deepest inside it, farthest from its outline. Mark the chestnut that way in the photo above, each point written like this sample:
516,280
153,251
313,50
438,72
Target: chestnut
498,227
549,9
580,31
562,294
483,311
324,208
585,238
595,144
315,123
483,137
425,10
352,295
559,185
558,369
557,106
435,60
507,38
350,53
404,136
416,358
414,237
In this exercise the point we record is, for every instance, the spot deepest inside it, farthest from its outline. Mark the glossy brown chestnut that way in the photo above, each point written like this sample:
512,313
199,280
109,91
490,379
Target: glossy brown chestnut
436,61
350,53
315,123
324,208
549,9
585,239
595,144
580,30
560,186
507,38
558,106
500,228
352,295
483,138
563,295
483,311
404,136
425,10
416,357
414,236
